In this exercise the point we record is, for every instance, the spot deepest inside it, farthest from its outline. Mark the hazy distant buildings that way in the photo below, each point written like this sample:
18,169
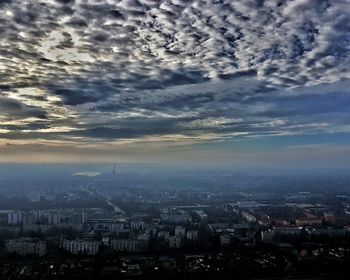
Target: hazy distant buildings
225,239
163,235
26,246
157,220
3,218
54,218
183,218
29,218
201,215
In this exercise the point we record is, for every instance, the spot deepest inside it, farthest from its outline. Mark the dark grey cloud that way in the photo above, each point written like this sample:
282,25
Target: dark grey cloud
15,109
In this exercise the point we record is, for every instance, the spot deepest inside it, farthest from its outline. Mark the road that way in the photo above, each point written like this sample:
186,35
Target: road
117,210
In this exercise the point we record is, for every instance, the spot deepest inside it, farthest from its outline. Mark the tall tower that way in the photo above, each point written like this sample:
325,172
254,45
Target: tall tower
114,169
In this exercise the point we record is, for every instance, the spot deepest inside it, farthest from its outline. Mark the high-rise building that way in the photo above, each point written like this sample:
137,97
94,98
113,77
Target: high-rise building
14,217
29,218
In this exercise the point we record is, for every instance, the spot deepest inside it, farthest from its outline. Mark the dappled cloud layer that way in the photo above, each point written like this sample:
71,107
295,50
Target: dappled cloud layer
184,72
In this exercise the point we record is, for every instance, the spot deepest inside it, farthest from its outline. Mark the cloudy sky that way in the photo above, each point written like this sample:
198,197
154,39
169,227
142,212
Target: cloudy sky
237,82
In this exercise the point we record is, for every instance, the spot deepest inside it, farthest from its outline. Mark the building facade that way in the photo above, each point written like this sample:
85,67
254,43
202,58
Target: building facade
88,247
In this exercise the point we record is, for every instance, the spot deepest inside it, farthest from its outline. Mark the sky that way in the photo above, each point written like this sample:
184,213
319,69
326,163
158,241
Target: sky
241,83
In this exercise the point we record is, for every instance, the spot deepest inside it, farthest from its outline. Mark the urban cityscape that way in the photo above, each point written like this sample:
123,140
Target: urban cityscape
174,139
186,223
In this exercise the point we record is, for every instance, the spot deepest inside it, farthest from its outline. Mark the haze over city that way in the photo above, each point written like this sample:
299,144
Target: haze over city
236,83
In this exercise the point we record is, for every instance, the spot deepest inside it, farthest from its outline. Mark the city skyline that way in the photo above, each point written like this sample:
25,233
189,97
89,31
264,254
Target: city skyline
245,83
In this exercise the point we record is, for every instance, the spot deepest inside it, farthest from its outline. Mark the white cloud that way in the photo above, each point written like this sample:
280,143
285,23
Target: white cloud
155,68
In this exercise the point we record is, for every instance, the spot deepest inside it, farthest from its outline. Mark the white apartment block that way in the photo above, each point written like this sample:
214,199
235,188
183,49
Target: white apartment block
26,246
14,218
88,247
128,245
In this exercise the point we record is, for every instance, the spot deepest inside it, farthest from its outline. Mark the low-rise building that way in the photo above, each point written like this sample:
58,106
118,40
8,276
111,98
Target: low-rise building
128,245
248,217
225,239
26,246
174,241
178,218
281,234
180,231
201,215
30,218
163,235
53,218
138,225
80,246
192,235
308,221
